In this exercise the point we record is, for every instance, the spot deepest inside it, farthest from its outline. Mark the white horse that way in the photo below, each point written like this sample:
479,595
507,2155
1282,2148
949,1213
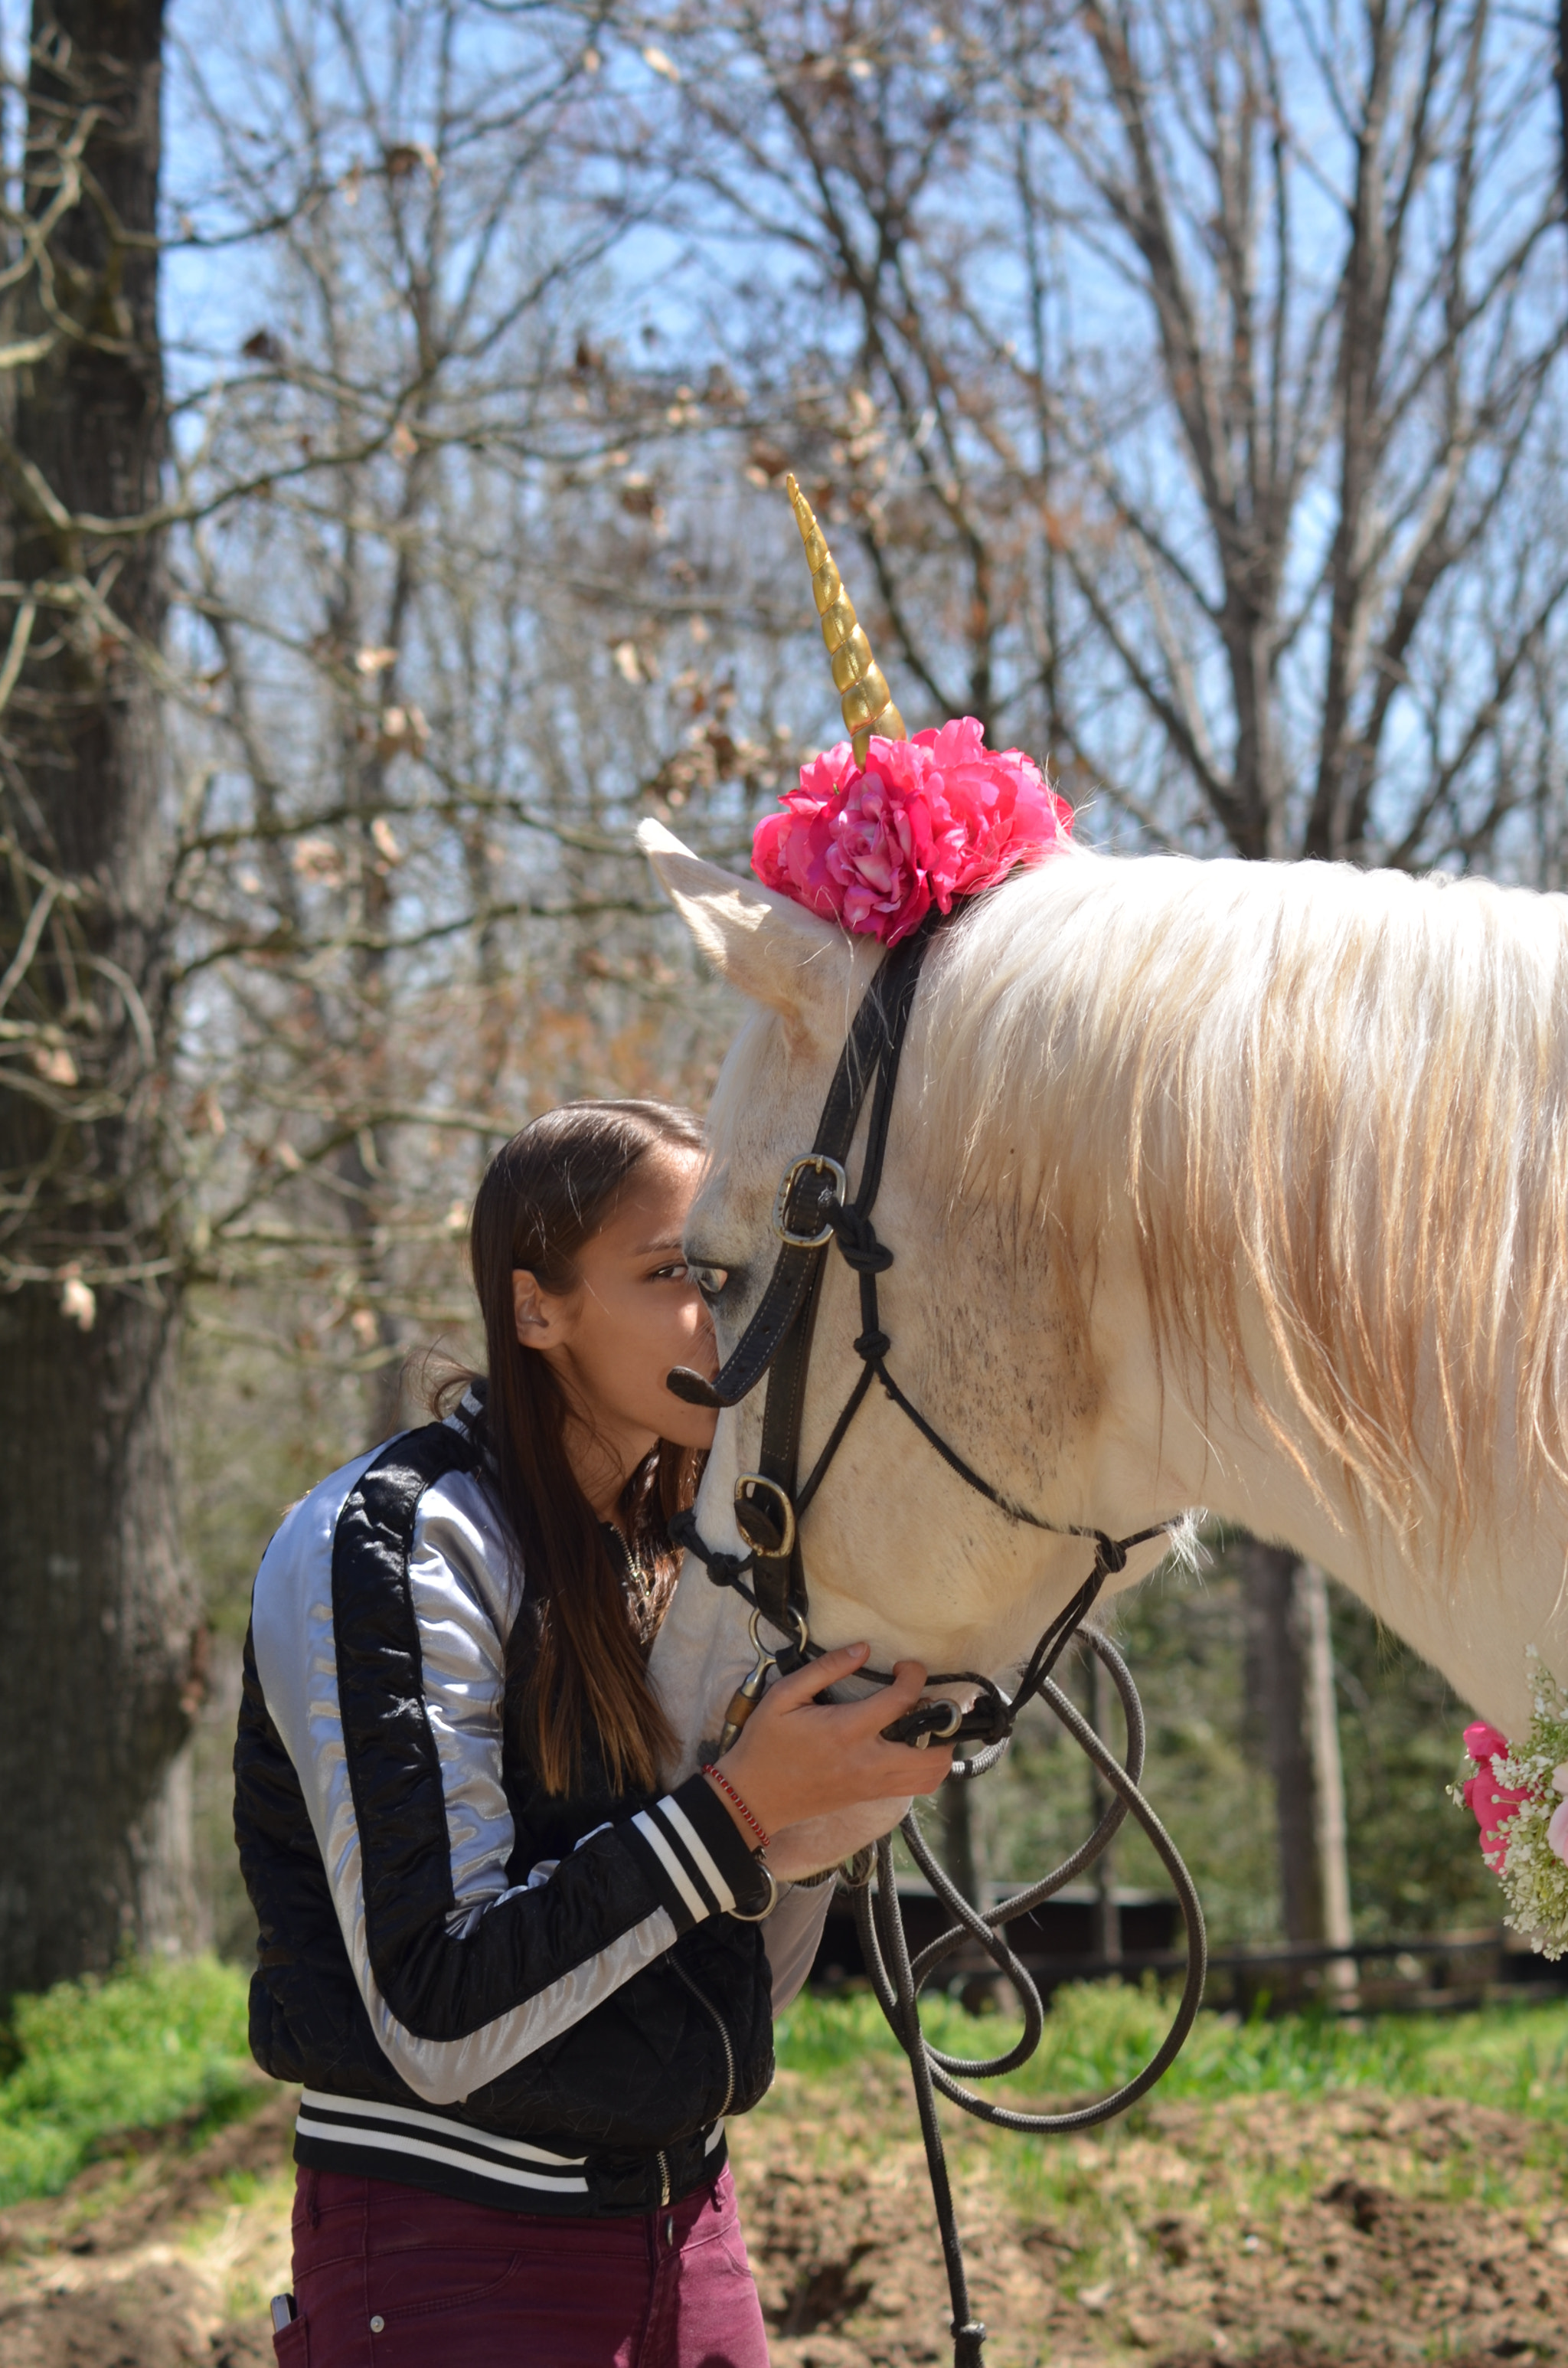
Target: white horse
1209,1184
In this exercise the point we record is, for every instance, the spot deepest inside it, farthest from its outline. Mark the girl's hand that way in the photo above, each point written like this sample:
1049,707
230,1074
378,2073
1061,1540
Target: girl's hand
798,1758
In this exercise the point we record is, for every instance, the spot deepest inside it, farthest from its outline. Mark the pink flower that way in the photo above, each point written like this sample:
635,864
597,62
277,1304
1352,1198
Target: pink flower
1557,1831
927,820
1494,1804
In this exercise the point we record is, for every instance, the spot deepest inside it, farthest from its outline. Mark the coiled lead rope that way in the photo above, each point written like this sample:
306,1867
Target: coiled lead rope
897,1978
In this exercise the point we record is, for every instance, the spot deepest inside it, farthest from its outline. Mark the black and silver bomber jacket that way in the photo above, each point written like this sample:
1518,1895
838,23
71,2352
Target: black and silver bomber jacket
531,2003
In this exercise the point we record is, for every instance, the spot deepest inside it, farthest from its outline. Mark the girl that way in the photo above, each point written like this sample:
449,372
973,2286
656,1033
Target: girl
522,1990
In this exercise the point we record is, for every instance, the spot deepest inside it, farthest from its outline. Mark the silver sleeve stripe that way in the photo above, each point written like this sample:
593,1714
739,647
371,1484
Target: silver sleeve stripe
445,2071
364,2109
699,1906
297,1663
465,1596
697,1849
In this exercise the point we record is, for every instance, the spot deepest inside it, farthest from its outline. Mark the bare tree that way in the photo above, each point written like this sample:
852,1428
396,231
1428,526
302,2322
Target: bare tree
431,641
99,1640
1194,379
307,732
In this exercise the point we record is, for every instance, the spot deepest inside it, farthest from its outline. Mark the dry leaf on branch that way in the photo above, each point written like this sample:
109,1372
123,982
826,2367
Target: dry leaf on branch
320,860
54,1065
78,1301
403,731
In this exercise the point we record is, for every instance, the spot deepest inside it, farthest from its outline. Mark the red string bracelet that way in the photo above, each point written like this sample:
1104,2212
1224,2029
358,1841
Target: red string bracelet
725,1786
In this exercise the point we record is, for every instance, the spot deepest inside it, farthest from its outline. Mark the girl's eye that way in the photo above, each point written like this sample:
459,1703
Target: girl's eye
710,1280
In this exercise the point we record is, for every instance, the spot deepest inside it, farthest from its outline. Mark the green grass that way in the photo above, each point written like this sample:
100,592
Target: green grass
155,2045
161,2044
1098,2034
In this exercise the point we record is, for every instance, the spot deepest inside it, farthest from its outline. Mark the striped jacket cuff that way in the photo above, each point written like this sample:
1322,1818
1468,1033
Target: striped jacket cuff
694,1854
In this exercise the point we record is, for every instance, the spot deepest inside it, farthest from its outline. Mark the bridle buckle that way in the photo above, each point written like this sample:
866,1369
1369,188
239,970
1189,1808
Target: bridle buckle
824,1165
767,1528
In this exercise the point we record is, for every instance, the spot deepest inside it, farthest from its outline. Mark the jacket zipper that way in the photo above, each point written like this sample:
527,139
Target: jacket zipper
724,2034
664,2178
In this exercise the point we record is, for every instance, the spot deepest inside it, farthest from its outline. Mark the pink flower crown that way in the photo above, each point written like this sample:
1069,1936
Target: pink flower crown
922,822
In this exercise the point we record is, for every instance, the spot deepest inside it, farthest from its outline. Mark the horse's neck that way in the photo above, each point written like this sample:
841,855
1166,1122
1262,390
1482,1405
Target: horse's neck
1171,1434
1298,1114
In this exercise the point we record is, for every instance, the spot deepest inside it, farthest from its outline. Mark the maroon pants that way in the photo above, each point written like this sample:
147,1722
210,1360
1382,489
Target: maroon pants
391,2277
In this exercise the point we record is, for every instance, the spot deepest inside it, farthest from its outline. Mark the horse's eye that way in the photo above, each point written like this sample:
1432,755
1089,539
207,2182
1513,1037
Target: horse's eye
710,1280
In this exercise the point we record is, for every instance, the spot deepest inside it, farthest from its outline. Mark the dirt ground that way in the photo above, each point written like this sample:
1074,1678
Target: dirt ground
1361,2230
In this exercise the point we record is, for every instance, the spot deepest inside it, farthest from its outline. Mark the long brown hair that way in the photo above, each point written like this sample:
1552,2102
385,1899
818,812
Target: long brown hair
576,1655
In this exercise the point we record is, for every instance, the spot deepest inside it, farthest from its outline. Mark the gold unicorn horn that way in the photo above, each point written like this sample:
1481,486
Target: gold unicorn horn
863,692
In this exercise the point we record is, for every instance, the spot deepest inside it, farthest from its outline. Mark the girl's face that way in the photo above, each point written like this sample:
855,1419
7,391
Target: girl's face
636,1312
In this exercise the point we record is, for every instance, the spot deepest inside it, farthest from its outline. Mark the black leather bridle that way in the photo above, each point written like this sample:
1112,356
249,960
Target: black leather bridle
811,1211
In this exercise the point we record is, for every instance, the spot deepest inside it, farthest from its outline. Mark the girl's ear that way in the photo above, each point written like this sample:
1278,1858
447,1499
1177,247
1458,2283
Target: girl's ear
539,1316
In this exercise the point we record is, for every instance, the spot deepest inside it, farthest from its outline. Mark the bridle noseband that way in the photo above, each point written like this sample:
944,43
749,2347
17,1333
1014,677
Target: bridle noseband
812,1211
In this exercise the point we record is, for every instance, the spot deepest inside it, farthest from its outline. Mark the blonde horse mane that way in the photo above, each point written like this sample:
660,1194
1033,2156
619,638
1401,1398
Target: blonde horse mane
1333,1105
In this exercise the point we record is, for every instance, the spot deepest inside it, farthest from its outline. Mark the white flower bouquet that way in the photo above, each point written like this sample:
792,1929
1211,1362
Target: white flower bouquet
1517,1794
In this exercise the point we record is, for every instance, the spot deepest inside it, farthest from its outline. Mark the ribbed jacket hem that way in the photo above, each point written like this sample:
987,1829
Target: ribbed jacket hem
359,2139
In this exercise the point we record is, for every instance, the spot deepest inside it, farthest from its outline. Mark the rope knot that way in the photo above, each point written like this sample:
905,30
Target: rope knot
857,1242
873,1346
723,1569
1110,1553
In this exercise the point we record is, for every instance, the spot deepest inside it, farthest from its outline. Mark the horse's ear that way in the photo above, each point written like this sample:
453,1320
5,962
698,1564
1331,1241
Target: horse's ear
771,949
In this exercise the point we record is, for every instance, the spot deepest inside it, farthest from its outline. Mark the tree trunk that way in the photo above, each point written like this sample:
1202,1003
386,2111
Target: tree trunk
1277,1707
100,1644
1328,1774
